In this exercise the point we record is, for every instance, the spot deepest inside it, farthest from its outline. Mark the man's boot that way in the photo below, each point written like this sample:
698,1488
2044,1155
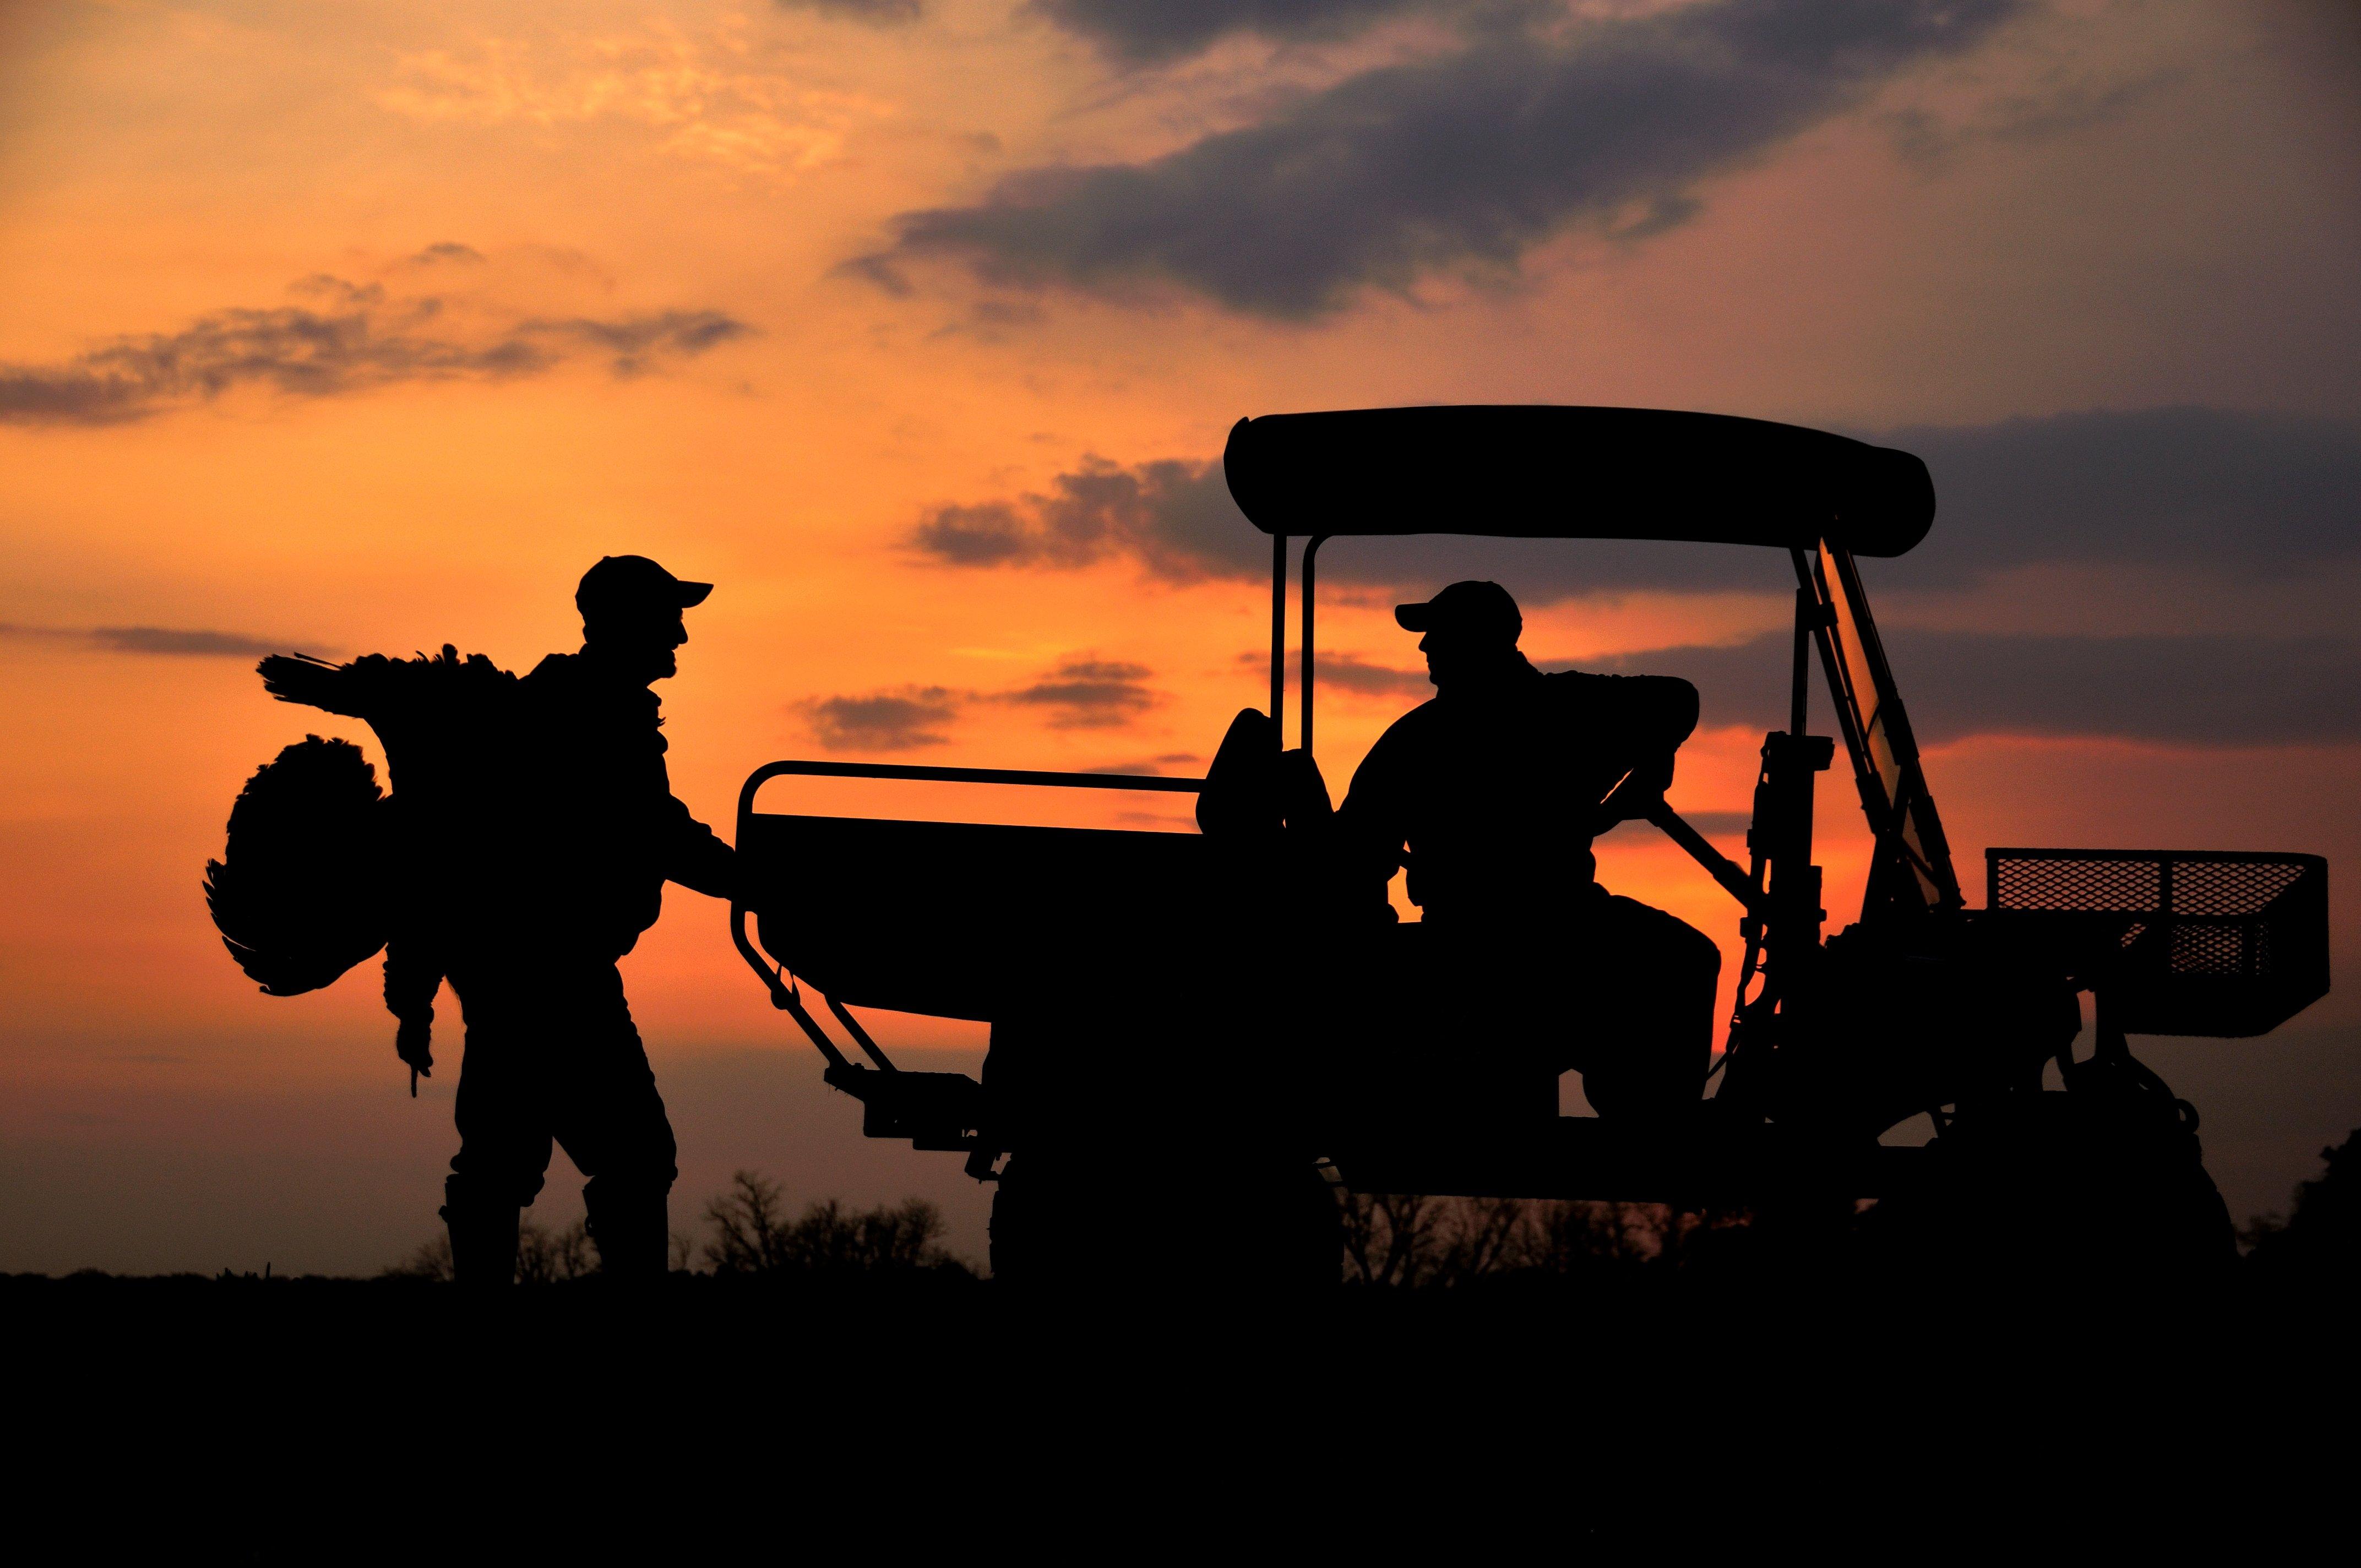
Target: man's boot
483,1243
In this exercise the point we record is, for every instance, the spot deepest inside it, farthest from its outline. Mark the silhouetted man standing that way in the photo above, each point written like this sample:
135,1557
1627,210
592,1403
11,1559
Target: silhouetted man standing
576,860
1494,788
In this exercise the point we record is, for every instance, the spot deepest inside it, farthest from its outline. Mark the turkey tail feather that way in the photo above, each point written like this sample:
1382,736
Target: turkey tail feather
314,683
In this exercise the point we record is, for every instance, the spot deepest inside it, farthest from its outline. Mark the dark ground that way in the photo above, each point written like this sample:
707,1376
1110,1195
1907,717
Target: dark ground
255,1420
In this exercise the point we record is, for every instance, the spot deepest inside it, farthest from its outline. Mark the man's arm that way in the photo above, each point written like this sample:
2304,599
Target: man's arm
412,976
1371,826
694,855
1666,709
1654,714
1632,718
690,853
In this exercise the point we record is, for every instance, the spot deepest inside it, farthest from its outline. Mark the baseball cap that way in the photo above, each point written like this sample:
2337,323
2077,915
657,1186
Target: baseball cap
633,585
1482,608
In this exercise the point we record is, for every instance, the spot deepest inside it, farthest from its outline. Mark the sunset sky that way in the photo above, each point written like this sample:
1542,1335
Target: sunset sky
917,325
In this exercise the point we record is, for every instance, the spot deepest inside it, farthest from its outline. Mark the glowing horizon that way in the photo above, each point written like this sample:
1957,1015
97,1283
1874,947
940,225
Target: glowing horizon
369,329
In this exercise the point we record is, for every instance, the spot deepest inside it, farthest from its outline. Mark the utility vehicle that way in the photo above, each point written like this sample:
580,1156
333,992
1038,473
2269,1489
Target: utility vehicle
1162,1081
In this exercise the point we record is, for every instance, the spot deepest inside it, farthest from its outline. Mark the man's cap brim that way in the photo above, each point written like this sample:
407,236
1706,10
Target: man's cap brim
1414,617
692,594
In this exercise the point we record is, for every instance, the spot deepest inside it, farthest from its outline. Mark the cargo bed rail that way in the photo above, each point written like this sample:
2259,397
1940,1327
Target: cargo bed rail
934,1110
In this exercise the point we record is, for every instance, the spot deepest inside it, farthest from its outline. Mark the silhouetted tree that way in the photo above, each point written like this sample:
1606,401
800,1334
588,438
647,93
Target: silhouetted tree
1488,1236
749,1228
1412,1241
546,1257
2320,1238
1390,1239
432,1261
1564,1237
751,1235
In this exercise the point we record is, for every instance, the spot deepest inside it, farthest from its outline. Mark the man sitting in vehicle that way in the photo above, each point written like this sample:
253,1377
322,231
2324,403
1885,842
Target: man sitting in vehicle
1490,794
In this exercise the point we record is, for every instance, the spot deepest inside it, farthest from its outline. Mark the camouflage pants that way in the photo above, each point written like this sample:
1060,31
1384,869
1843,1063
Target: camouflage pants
553,1058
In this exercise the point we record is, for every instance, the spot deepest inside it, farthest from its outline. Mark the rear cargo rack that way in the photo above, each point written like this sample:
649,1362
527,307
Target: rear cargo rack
2175,941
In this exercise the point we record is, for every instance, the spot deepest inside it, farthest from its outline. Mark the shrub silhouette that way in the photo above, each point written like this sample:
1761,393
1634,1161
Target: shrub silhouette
752,1235
544,1257
1411,1240
430,1263
1390,1240
2321,1239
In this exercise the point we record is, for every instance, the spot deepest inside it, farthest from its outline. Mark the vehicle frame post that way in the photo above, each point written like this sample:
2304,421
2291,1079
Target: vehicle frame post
1304,678
1278,631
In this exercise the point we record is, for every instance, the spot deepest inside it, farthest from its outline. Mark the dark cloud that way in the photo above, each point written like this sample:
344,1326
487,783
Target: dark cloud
899,720
2194,691
1175,517
2057,106
876,13
1348,673
1465,160
1089,693
1157,764
635,343
1177,520
1351,674
446,252
2184,691
1083,693
992,535
164,640
1716,823
2252,495
1544,571
167,640
351,337
878,270
1146,31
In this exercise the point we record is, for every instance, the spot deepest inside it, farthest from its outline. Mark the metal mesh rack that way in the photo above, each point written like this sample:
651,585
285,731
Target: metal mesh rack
2177,941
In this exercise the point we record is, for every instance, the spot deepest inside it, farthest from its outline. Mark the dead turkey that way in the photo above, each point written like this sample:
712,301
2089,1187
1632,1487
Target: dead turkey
298,894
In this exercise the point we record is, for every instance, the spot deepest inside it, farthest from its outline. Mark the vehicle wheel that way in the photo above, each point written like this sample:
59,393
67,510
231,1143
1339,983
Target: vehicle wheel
2060,1187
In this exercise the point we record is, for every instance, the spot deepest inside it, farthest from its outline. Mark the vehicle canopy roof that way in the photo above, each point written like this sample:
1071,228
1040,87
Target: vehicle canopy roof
1533,471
